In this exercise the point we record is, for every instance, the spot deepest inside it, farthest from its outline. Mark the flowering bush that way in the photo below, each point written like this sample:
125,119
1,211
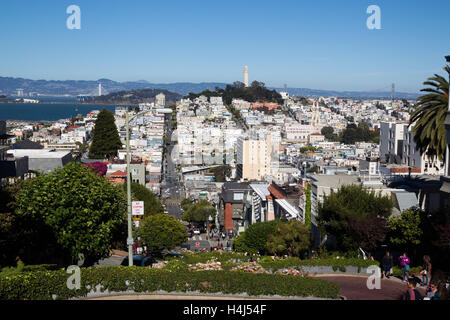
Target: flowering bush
159,265
292,272
209,266
99,167
252,267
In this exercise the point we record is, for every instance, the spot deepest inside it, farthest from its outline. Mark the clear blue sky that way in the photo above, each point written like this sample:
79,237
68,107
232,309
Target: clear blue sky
321,44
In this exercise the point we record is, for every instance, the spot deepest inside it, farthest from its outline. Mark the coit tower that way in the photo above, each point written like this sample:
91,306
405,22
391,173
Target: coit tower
246,76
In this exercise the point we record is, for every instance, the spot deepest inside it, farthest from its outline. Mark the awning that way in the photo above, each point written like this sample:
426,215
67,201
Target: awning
290,209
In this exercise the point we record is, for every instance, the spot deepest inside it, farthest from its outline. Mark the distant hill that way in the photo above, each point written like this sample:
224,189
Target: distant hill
136,97
256,92
9,86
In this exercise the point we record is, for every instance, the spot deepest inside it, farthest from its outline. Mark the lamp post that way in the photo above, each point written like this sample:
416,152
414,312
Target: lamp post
130,234
130,230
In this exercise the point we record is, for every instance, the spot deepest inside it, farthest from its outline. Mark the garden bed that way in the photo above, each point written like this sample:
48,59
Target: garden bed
48,285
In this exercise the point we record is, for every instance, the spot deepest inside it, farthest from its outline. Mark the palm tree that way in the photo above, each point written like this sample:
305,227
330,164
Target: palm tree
429,116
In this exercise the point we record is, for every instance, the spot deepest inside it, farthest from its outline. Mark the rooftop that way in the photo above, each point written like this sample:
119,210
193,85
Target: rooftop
38,153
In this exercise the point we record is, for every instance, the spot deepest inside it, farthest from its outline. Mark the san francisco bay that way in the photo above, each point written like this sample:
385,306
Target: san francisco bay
46,111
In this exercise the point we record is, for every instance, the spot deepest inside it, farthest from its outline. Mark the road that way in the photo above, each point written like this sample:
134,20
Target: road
171,187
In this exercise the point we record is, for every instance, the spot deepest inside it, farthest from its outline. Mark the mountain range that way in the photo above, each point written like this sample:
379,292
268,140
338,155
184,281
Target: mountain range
9,87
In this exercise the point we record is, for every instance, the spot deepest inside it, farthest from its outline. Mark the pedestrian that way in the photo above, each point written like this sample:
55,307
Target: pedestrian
386,265
426,270
404,263
412,293
139,246
433,293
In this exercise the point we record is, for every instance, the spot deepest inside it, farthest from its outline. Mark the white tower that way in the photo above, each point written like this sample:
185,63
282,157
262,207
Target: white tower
246,76
99,89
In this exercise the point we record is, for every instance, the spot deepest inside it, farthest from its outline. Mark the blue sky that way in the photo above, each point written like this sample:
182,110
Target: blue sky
322,44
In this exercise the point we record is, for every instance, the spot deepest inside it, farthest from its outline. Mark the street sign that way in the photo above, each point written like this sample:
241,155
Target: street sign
130,241
137,208
197,244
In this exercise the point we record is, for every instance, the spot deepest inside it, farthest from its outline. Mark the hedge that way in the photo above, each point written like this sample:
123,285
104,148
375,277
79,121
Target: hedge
48,285
336,264
397,271
229,259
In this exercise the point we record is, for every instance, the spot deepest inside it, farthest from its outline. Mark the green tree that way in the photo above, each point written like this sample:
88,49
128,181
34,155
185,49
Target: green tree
429,115
162,231
239,244
199,212
327,132
151,203
105,138
222,172
308,206
73,210
185,204
255,239
356,217
406,230
9,231
292,239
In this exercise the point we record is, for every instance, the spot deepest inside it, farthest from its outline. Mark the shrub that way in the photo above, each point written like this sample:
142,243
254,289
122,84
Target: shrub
47,285
252,267
336,264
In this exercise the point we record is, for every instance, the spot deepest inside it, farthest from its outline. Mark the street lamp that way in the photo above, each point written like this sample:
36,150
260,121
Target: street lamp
130,231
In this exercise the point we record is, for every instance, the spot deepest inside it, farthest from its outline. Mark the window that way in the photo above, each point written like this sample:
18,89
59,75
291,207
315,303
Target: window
238,196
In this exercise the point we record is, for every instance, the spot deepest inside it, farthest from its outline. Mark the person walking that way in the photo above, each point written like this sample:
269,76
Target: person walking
426,270
386,265
404,263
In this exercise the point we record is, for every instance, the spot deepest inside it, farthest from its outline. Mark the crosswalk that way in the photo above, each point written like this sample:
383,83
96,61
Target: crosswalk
172,202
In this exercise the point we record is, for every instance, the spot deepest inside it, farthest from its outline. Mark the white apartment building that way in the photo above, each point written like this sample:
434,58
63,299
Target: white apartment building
298,132
413,158
397,146
391,140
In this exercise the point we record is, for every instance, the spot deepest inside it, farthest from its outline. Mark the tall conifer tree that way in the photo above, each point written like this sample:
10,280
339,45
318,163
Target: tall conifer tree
105,140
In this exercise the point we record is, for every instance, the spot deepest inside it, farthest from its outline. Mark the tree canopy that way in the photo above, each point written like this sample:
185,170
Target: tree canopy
105,138
254,239
291,238
356,217
161,231
152,205
80,211
405,230
360,133
199,212
429,115
257,91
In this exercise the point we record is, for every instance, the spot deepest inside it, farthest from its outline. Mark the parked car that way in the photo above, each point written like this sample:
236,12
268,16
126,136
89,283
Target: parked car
139,260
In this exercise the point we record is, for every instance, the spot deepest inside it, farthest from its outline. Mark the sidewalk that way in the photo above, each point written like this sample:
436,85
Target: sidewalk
355,287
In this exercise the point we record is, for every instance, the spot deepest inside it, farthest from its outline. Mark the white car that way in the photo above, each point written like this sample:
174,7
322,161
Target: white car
196,231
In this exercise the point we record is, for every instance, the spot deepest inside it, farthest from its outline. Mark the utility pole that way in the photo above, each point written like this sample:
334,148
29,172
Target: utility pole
130,234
